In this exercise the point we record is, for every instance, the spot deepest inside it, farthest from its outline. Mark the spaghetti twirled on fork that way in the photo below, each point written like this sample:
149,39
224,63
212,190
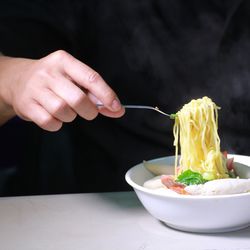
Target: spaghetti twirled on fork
196,133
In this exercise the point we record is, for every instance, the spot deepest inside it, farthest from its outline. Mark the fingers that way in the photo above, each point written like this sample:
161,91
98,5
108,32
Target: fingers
103,110
89,79
56,106
106,112
77,100
42,118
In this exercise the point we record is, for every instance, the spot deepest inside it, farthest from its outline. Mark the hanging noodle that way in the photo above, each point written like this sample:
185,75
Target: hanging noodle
196,132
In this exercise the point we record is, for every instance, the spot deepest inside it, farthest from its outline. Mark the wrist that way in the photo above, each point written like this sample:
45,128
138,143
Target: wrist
6,110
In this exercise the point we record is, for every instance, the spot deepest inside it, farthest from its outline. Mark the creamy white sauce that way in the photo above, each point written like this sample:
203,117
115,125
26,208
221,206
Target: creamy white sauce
156,185
215,187
220,187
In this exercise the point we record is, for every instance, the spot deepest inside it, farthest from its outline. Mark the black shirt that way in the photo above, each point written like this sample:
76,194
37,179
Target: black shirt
159,53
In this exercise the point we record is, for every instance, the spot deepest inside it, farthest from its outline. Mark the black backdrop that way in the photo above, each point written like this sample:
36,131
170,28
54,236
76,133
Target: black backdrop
153,52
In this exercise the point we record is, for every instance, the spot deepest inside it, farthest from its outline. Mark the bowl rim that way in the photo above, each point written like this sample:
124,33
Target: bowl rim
179,196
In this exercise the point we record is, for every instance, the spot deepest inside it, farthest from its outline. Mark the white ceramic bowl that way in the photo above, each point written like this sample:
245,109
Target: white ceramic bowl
204,214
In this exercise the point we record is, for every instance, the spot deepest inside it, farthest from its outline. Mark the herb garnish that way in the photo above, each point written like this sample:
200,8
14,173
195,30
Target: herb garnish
189,177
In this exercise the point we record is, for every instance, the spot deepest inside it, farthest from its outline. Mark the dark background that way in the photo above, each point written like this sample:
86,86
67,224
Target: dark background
153,52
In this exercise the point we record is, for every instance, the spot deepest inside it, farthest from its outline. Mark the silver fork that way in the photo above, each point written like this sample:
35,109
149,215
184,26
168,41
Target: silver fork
171,116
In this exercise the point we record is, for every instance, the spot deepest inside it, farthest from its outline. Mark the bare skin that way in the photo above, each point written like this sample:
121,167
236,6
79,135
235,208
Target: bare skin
53,90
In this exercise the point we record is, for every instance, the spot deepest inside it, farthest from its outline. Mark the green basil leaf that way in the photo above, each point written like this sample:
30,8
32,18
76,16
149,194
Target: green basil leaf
189,177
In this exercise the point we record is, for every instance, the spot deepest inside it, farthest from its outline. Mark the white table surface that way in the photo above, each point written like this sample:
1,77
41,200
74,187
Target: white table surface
98,221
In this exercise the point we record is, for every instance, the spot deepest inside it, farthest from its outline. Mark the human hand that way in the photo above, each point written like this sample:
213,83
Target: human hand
54,90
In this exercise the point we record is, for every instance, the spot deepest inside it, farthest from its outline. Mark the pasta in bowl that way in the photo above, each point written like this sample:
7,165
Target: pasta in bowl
192,213
204,188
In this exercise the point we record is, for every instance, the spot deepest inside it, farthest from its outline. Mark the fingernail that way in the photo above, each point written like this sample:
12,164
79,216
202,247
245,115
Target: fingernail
116,105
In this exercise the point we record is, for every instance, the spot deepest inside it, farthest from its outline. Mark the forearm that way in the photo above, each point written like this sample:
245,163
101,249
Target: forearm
6,74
